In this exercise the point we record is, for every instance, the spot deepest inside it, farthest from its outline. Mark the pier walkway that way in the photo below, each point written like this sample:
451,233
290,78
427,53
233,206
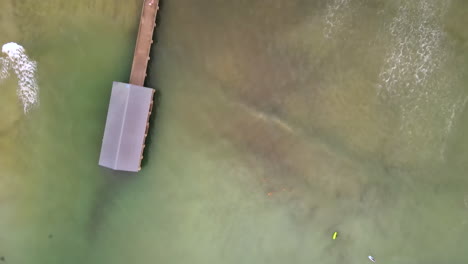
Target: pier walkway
131,104
144,42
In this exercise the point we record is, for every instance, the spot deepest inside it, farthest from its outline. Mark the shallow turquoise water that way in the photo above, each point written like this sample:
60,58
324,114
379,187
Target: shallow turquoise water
279,124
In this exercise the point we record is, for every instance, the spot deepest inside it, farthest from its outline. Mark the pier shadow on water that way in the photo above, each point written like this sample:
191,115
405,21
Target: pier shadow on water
153,129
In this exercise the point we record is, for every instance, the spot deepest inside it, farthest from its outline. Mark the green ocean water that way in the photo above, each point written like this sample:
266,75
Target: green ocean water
279,123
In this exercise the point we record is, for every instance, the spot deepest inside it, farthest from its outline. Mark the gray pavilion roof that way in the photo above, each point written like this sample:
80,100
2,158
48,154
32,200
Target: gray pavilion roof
126,127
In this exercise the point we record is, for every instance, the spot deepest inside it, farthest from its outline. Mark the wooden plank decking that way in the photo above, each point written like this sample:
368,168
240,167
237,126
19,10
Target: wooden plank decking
144,42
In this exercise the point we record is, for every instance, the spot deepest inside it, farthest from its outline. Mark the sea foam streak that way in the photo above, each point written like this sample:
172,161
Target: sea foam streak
336,11
413,78
417,52
24,68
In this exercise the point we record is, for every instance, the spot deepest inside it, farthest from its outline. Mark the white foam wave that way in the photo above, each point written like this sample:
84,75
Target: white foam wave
413,76
24,68
4,68
416,46
334,16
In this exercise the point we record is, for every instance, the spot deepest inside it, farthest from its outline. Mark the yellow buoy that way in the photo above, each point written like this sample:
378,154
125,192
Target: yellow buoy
335,235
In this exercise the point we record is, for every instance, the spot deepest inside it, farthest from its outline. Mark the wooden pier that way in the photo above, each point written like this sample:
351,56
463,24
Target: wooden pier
131,104
144,42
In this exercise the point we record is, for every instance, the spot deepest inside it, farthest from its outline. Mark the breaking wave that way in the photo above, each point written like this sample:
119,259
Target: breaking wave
413,79
416,47
24,68
334,16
